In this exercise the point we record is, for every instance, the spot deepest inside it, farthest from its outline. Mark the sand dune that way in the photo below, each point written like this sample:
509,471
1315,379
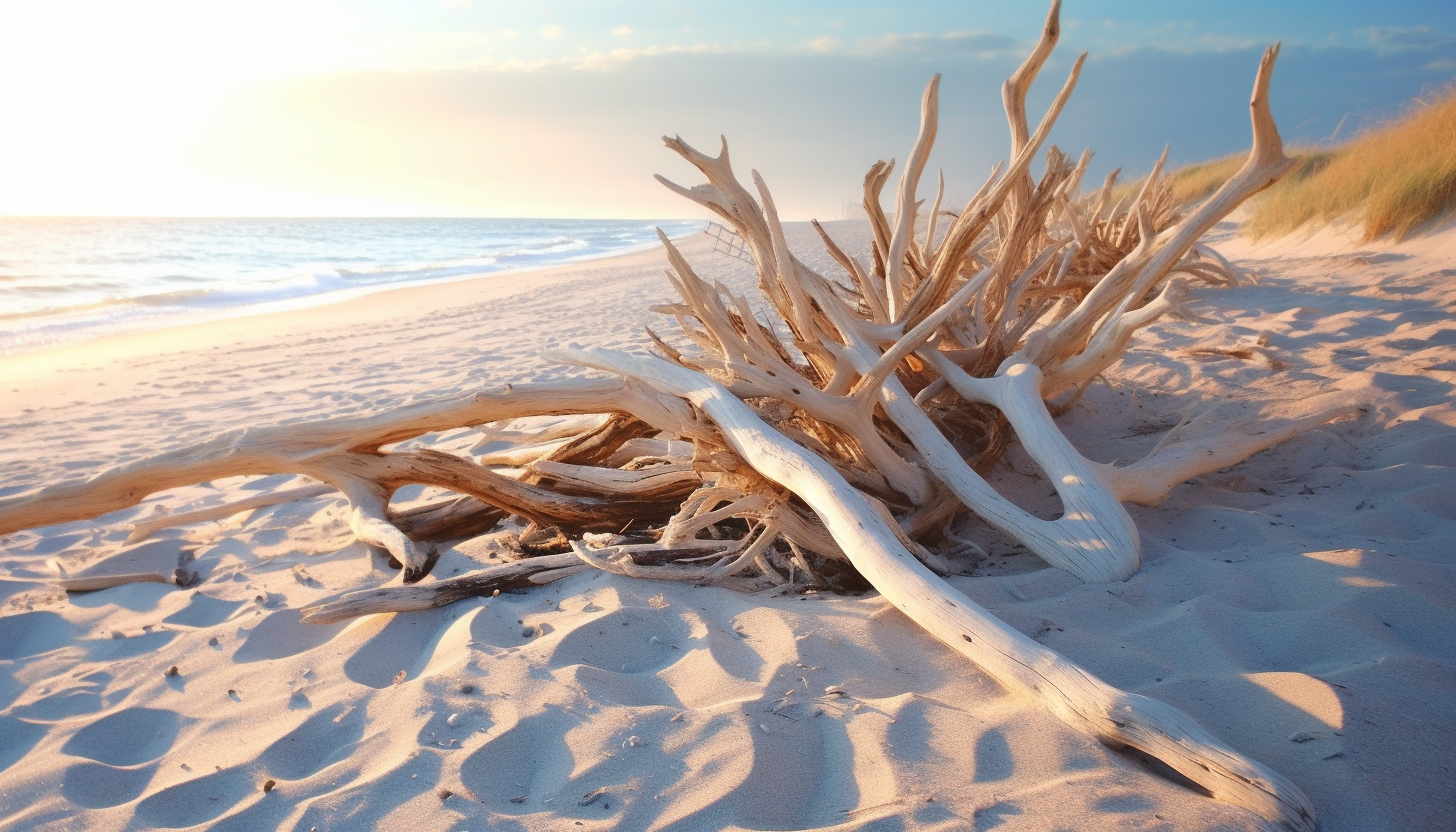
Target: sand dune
1301,605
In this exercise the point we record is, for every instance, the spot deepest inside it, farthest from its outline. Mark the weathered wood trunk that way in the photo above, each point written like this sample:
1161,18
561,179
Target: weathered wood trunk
812,426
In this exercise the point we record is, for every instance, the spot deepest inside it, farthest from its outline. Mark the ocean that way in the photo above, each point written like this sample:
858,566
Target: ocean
65,280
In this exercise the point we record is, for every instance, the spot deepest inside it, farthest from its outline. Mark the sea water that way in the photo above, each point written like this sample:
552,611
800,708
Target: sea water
65,280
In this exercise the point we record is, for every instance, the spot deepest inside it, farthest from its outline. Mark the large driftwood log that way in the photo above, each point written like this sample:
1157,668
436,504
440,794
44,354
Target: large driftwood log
821,424
1073,694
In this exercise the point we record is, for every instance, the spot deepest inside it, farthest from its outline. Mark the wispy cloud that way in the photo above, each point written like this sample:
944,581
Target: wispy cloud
612,59
963,43
1402,38
552,32
622,31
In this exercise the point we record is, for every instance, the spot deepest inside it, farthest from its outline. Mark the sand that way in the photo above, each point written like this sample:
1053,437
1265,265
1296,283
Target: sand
1301,605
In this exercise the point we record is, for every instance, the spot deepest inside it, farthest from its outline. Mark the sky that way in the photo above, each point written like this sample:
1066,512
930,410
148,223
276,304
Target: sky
496,108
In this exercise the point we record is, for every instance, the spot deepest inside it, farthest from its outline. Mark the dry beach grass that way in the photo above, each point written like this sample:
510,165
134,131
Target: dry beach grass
1389,180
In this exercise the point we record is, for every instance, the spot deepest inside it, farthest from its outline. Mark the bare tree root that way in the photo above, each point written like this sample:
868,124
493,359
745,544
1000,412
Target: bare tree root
1073,694
825,425
493,580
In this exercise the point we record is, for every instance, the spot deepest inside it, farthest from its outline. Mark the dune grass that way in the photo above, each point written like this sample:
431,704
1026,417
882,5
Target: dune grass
1392,178
1196,182
1399,175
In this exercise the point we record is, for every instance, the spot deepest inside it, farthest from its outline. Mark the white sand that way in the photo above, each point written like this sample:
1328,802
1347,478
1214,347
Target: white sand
1301,605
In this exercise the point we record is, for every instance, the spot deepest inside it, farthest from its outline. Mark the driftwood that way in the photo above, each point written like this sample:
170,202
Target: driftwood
824,426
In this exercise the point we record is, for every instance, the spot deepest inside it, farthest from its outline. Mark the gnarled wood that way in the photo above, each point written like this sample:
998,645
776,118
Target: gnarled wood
1074,695
837,420
516,574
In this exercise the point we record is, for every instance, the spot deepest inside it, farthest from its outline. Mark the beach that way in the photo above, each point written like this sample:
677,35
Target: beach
1300,605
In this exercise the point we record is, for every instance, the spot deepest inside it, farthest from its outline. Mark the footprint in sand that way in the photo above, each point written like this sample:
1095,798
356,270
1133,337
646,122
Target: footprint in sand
324,738
122,750
626,640
98,786
282,634
353,804
751,787
32,633
196,801
17,737
631,689
113,649
126,738
404,644
84,696
203,611
530,758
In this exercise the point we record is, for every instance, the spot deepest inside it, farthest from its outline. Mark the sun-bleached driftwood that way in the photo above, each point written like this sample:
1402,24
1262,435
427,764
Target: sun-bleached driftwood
492,580
824,425
347,454
143,528
1073,694
1149,480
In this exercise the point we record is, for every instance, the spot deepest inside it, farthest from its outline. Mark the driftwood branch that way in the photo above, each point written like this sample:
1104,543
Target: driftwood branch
1074,695
826,422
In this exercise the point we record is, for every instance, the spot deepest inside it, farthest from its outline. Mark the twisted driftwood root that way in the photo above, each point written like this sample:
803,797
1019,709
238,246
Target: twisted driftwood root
1076,696
826,427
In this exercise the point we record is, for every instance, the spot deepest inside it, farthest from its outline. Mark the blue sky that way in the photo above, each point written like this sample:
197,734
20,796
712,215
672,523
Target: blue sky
487,108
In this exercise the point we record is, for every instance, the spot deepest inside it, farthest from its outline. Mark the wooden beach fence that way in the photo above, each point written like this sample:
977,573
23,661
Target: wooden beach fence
726,241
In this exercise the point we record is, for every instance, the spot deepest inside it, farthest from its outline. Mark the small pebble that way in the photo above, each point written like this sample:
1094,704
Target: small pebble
269,785
528,632
172,671
444,793
467,688
452,720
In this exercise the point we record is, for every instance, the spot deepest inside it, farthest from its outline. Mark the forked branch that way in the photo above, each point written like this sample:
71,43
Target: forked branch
827,420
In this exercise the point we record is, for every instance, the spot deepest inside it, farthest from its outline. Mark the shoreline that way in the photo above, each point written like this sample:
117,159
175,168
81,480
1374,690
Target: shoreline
203,315
294,317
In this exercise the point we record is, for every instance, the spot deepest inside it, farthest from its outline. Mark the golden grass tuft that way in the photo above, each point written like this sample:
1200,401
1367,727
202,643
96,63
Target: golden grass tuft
1399,176
1197,182
1394,178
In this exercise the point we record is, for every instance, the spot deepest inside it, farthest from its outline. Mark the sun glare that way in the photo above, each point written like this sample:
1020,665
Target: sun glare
103,99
